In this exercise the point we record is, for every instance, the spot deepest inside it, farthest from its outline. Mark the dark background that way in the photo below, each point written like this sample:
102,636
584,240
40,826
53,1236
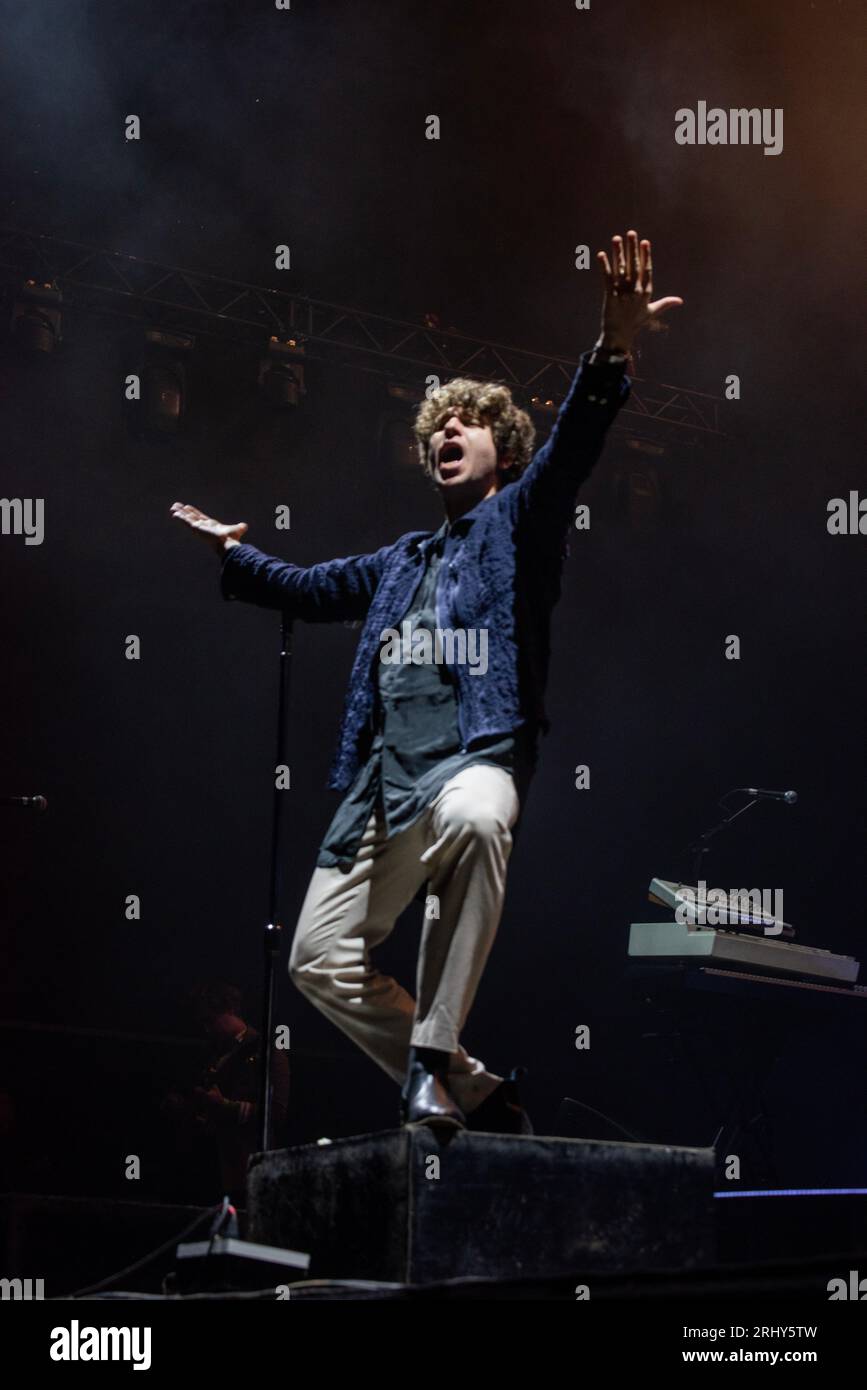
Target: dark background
261,127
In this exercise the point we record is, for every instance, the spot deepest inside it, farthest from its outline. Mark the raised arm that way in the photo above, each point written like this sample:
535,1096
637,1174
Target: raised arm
546,491
332,591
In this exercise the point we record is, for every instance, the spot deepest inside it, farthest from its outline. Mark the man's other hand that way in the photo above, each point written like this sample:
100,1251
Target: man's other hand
218,535
627,306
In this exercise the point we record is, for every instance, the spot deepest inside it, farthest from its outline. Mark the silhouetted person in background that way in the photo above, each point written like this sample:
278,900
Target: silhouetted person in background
225,1103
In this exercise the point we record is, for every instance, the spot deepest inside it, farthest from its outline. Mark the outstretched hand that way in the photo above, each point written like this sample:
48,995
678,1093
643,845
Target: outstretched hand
218,535
627,307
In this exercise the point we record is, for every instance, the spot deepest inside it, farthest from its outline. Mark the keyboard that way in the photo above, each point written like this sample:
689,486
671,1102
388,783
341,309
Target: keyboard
681,941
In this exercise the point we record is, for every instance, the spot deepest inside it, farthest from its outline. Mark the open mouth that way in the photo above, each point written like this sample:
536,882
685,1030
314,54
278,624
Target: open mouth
450,453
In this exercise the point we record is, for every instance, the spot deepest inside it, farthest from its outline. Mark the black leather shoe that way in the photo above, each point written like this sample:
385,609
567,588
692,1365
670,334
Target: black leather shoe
425,1100
502,1112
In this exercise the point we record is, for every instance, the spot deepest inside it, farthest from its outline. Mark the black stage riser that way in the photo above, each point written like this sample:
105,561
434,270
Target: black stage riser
405,1206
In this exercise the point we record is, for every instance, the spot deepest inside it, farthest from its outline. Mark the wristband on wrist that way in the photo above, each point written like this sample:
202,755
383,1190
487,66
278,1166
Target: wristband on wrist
616,356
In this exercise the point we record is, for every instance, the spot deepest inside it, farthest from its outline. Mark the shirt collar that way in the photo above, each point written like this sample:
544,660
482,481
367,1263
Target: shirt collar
435,539
457,528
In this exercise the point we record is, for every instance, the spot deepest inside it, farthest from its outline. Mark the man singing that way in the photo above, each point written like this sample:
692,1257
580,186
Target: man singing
444,709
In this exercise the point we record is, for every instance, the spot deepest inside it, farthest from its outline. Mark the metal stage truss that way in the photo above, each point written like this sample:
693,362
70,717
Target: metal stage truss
97,281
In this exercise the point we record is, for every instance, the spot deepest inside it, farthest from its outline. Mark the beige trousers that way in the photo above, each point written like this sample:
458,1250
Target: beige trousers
460,847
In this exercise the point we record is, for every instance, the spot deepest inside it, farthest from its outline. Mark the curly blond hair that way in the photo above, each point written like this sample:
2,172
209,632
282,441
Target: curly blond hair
513,430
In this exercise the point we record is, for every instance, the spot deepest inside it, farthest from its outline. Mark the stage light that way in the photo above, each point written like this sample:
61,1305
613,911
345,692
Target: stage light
638,490
645,446
396,442
36,318
157,404
281,373
399,392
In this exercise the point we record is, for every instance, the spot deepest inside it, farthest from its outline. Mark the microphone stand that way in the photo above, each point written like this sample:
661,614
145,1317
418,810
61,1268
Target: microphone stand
273,929
701,846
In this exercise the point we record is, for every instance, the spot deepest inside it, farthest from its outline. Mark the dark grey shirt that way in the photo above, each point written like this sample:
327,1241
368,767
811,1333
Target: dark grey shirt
416,748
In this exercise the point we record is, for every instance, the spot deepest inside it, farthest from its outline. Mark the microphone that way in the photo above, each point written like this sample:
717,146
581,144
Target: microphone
33,803
789,797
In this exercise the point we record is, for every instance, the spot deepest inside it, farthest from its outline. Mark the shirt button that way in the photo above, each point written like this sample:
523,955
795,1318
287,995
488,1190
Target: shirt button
591,398
603,400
